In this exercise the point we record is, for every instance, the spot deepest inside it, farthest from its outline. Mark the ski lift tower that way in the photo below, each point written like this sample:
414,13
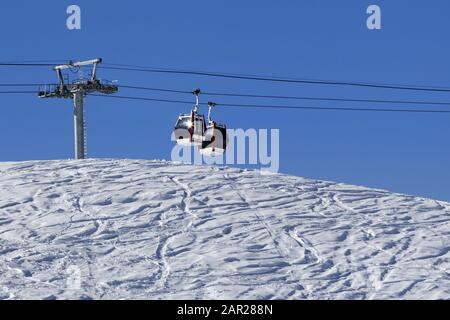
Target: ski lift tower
77,91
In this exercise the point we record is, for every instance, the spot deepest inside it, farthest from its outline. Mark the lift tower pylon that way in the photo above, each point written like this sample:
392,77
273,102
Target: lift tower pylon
77,91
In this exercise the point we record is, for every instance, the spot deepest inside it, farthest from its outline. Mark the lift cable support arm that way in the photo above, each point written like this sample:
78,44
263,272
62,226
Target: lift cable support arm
77,90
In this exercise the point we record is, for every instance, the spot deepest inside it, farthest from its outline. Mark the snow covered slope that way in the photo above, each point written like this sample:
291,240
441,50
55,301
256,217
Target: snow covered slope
110,229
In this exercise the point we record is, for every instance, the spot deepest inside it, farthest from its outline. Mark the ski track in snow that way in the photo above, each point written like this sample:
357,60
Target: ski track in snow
158,230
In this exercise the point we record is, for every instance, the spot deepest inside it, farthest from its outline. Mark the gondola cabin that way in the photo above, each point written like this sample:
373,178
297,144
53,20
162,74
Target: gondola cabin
189,129
215,140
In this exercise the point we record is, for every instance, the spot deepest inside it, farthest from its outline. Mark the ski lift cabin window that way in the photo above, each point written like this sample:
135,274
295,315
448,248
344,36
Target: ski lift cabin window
191,130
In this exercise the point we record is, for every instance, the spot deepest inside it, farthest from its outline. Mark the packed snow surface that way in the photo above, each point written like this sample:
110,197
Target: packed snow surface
122,229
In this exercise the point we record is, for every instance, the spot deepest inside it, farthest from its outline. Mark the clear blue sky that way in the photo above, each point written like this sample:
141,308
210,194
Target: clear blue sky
407,153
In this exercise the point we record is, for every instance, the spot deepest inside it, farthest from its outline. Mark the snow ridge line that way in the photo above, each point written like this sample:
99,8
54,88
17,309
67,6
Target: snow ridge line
374,245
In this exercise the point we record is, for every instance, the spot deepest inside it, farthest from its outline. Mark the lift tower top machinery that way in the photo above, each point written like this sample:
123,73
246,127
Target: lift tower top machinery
77,90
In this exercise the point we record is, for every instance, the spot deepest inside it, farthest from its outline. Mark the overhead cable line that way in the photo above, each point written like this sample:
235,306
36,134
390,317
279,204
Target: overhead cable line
2,64
17,92
123,67
23,84
35,61
143,99
289,97
333,108
277,79
218,94
155,89
281,106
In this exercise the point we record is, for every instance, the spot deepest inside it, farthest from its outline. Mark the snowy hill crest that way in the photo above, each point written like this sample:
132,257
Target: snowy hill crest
115,229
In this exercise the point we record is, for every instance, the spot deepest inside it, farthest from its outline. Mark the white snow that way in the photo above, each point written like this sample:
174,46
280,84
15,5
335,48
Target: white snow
122,229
